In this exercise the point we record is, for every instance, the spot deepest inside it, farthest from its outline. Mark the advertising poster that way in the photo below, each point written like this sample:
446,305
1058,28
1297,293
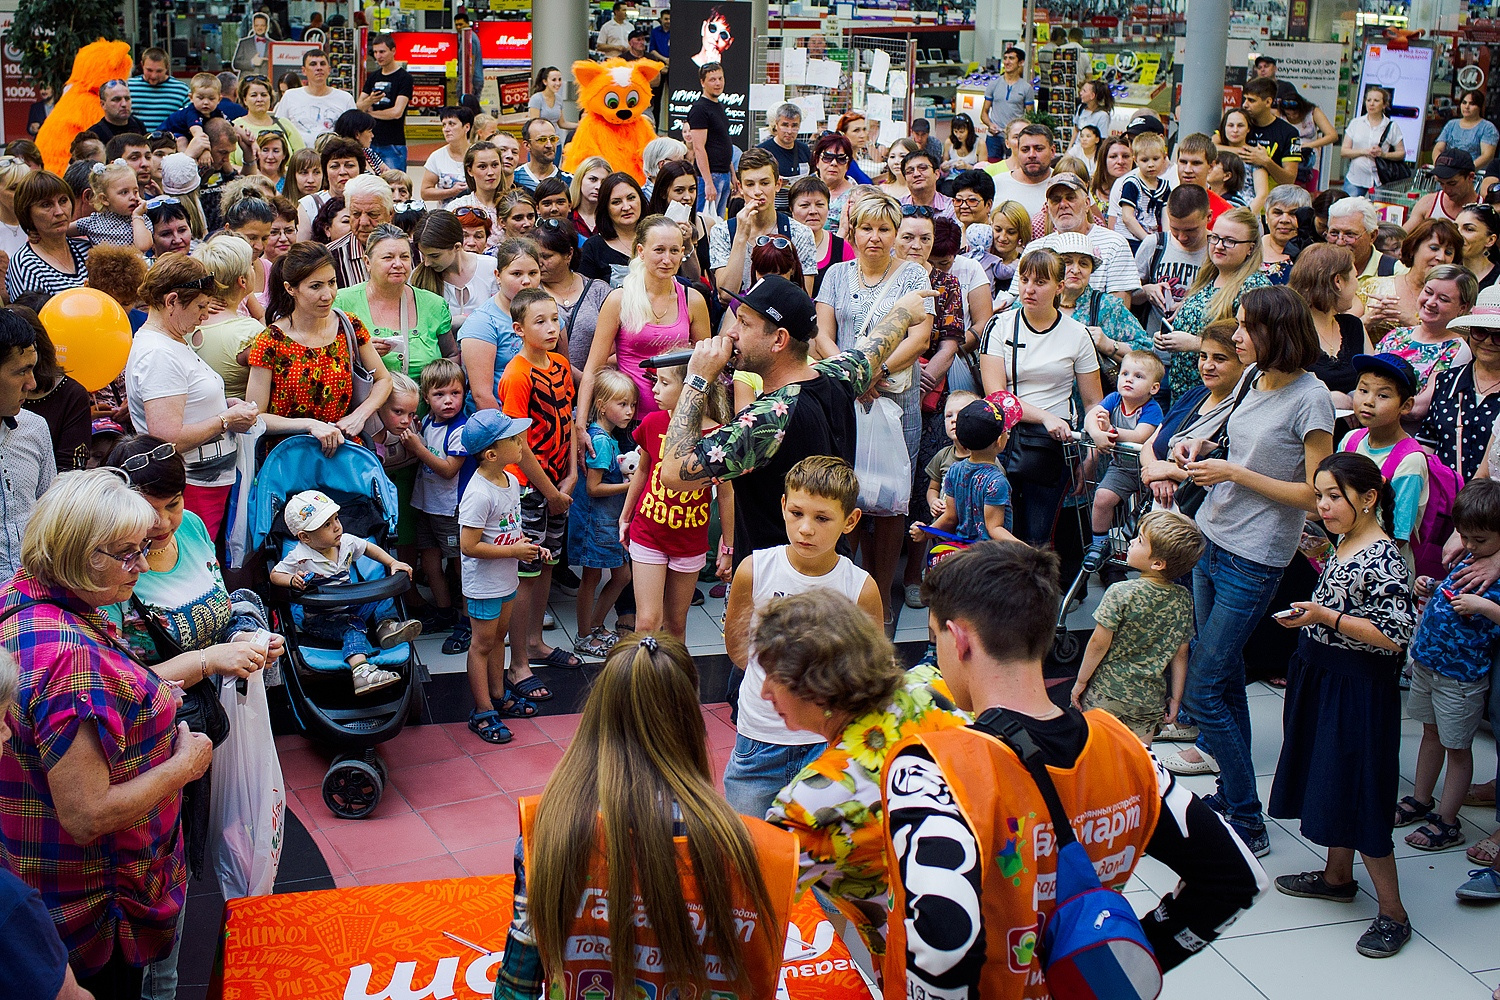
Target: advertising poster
427,55
1404,74
505,43
286,57
19,94
713,32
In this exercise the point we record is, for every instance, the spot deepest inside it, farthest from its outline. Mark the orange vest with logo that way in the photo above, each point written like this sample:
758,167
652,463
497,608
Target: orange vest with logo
586,972
1110,793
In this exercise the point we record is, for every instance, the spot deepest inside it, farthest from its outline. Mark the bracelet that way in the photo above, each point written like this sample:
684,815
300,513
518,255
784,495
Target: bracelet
203,664
1338,621
697,383
725,550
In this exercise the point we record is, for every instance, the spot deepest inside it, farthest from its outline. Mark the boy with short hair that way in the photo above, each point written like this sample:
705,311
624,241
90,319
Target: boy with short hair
1143,194
538,384
820,505
1451,655
324,554
1142,628
492,542
1385,394
979,504
203,105
1130,414
438,445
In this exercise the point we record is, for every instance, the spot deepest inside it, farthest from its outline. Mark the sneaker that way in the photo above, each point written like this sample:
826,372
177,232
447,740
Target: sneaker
458,642
697,598
368,677
1257,839
1312,885
1383,938
1216,802
393,633
565,580
914,596
1177,734
1174,762
435,619
1483,886
548,621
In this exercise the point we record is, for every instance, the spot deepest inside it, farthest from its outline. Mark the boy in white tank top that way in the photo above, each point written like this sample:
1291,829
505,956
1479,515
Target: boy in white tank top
820,505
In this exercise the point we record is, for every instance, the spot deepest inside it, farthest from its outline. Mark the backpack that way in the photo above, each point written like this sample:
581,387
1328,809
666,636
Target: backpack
1443,485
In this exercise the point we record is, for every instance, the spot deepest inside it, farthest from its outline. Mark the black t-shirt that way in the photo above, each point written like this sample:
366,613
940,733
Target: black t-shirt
1338,372
1280,139
389,86
107,131
709,115
788,161
597,259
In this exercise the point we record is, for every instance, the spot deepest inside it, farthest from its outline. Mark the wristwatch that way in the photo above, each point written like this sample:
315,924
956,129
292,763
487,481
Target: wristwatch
697,383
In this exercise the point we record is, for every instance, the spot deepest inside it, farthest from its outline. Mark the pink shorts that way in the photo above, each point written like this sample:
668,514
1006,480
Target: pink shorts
677,564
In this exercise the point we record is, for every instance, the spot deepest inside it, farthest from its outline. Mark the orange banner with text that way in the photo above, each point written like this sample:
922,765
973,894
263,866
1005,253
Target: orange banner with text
443,940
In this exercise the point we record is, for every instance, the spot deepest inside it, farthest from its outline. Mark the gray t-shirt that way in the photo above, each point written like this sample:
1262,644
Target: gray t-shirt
852,301
1009,101
580,326
1266,435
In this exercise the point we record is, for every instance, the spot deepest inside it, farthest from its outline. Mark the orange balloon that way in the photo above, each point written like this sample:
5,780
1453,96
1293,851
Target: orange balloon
91,333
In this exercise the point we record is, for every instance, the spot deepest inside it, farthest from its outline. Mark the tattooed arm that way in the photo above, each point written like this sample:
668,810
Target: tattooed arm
887,334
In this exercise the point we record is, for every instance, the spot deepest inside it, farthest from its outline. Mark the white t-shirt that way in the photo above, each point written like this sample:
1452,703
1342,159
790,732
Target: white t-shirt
313,115
449,171
497,511
1360,171
12,238
970,274
431,492
305,559
464,299
1048,362
775,577
1032,196
159,367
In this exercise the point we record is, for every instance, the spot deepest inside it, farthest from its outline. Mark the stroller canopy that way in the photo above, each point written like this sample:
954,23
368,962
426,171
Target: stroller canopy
298,463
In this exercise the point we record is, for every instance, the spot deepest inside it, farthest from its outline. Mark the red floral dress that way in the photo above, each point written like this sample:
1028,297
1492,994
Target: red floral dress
314,382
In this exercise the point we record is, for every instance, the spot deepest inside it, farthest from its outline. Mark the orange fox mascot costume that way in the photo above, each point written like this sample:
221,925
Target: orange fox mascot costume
614,96
78,108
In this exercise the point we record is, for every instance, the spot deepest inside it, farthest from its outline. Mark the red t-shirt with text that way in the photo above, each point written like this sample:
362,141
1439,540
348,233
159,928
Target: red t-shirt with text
670,521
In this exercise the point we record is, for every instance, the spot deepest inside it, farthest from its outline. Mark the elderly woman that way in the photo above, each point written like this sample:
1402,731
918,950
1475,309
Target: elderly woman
1115,330
175,395
410,327
658,152
856,295
302,366
50,261
1259,496
1325,277
1282,226
95,782
1430,345
1045,377
1392,302
830,671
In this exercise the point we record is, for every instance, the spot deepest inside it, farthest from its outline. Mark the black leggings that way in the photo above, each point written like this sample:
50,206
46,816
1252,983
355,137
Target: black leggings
118,980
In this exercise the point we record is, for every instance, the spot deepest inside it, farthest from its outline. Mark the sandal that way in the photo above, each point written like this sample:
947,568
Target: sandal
1485,851
515,705
1409,811
489,727
1438,836
1480,795
559,657
532,688
596,645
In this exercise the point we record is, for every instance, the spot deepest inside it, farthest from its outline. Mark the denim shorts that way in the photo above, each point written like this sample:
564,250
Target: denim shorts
488,609
758,771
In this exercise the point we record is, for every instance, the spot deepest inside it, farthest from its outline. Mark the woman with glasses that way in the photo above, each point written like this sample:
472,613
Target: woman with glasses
606,254
1233,268
183,623
1430,344
50,261
255,95
833,164
410,327
1479,225
96,776
855,296
175,395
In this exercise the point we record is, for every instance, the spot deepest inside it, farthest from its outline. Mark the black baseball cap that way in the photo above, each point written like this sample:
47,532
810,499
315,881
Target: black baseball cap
921,125
784,304
1452,163
1391,366
1145,122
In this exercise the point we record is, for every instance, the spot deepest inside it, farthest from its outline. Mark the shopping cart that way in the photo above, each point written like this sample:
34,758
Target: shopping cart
1406,193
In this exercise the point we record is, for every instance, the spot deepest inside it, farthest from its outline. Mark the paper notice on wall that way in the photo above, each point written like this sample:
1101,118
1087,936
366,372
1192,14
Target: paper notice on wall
824,73
880,66
890,132
765,96
794,66
858,85
897,85
812,111
878,108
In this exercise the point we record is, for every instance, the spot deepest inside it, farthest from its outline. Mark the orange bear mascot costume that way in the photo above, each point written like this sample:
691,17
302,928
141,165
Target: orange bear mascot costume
78,108
613,96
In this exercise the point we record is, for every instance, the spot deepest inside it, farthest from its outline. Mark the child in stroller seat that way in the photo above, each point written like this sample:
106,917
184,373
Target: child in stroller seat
324,554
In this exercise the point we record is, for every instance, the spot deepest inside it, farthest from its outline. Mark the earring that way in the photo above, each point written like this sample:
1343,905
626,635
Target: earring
1367,510
827,713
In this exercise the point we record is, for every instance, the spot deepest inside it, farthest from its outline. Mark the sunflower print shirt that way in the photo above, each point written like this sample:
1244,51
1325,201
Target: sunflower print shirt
833,804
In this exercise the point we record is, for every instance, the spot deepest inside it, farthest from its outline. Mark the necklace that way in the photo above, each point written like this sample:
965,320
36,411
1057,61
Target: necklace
1484,390
878,281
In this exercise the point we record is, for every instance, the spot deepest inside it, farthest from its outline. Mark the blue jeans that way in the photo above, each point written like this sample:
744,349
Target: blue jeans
394,157
757,771
1354,191
721,185
994,145
1230,595
347,626
160,978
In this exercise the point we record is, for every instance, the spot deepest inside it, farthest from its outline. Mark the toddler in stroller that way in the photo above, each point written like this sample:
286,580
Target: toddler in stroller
324,554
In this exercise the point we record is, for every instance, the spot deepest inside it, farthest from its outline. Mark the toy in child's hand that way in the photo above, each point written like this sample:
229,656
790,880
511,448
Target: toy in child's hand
613,96
629,462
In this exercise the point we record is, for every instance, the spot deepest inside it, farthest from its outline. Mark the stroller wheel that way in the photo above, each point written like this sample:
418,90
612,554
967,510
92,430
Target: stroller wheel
1065,646
352,788
368,757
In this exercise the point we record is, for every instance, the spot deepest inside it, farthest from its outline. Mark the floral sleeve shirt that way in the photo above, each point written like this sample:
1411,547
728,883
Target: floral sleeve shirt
834,806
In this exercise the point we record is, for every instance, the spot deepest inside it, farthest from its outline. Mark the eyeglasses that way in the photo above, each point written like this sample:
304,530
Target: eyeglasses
779,242
133,556
162,452
1337,236
968,201
917,211
1215,240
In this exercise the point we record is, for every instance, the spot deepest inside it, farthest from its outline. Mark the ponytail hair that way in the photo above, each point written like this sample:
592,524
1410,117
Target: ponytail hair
292,268
1357,475
635,303
438,230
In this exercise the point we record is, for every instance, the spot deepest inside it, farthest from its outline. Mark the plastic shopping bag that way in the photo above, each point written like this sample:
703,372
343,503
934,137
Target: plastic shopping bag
248,802
880,459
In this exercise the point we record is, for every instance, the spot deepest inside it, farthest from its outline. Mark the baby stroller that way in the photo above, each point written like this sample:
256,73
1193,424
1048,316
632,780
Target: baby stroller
317,679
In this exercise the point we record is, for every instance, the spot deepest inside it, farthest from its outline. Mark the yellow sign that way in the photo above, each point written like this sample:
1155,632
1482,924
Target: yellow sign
424,4
1150,63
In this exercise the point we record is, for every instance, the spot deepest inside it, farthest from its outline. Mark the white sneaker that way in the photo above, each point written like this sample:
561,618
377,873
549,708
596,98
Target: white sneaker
1176,764
368,677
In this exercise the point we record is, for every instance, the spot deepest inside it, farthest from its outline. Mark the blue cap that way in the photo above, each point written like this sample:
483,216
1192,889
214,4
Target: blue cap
485,427
1391,366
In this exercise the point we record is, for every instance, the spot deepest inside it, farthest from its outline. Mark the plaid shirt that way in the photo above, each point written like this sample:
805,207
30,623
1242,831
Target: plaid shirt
126,887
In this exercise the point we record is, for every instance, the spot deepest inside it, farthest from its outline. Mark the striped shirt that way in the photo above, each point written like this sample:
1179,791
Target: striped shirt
124,889
153,102
349,265
28,272
27,468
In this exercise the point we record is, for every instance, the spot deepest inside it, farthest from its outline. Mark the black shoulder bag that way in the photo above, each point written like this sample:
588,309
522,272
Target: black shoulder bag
1189,495
1031,455
1390,171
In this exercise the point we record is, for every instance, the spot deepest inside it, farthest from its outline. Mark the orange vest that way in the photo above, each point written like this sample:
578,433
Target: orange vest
1112,797
586,973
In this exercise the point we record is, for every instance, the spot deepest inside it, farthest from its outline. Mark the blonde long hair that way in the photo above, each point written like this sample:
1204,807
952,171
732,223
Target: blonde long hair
635,302
1221,305
639,751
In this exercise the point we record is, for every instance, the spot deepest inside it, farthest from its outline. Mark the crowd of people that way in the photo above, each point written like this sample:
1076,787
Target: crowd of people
1047,340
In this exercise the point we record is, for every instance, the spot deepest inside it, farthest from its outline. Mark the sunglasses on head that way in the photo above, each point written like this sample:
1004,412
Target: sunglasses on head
779,242
917,211
160,200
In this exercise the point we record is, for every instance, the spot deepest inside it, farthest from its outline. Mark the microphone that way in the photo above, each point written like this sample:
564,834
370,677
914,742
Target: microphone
672,359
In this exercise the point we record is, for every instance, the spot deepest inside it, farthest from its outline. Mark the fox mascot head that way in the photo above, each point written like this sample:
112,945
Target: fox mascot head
613,96
78,107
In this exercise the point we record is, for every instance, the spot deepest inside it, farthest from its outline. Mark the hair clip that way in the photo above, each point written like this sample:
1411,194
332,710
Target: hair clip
97,168
648,643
